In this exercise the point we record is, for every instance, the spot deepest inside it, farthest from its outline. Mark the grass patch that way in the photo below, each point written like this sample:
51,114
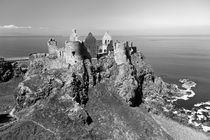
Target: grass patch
7,91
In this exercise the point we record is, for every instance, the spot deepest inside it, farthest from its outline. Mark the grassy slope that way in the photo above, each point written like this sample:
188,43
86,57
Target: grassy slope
25,130
7,91
108,107
178,131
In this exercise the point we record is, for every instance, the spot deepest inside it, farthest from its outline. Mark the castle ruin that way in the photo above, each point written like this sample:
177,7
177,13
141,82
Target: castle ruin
120,53
73,36
76,51
90,43
107,44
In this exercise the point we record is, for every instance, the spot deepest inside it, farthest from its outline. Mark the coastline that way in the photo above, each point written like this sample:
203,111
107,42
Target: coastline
179,117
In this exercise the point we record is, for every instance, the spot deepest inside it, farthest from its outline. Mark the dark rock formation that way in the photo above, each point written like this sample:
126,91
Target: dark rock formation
8,70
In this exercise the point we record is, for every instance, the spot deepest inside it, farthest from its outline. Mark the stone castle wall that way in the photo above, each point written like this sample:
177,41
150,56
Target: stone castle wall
52,46
41,62
120,53
72,52
76,51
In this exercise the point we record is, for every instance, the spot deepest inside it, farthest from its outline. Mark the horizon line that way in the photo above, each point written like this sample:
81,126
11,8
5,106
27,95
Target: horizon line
111,35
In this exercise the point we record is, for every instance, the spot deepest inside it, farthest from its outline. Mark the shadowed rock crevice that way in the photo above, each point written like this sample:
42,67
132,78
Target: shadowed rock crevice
89,119
79,89
138,98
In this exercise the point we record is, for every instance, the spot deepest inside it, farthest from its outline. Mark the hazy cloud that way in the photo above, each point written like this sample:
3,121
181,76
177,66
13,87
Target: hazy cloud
14,27
43,28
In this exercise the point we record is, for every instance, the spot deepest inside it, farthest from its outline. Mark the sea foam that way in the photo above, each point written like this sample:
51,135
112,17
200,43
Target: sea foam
187,92
199,115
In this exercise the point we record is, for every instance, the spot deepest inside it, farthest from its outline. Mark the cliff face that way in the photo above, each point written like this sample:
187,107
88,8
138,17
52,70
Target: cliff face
93,99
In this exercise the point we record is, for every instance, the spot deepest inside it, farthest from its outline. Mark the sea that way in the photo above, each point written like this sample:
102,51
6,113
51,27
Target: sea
172,57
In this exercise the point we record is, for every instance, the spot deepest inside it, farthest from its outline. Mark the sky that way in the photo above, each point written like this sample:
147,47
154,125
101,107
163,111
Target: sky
119,17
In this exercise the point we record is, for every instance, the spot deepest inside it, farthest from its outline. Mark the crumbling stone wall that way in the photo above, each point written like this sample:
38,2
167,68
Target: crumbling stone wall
40,62
119,53
74,36
73,52
52,47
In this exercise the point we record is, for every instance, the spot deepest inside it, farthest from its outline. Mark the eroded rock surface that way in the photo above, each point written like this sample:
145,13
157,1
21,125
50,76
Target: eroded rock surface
93,99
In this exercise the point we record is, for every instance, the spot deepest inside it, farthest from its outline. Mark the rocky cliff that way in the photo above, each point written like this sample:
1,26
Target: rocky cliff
93,99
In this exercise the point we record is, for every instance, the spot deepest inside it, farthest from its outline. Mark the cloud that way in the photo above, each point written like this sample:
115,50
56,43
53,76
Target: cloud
43,28
14,27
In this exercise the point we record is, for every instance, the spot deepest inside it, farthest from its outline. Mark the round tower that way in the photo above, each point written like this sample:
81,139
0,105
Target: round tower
75,51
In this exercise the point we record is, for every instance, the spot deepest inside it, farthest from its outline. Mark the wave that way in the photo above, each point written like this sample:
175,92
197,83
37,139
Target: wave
185,93
202,103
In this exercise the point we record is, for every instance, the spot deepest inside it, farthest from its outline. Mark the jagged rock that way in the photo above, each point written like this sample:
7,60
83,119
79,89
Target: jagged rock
126,83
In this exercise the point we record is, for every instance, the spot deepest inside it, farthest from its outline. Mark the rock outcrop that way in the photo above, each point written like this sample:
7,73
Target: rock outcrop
93,99
8,70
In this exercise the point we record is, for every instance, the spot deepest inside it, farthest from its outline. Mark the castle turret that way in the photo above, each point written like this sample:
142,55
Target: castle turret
75,50
73,36
52,47
90,43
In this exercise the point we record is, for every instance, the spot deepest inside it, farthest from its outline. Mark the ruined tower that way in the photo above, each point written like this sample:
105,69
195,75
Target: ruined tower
52,47
75,50
72,52
74,36
120,53
90,43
